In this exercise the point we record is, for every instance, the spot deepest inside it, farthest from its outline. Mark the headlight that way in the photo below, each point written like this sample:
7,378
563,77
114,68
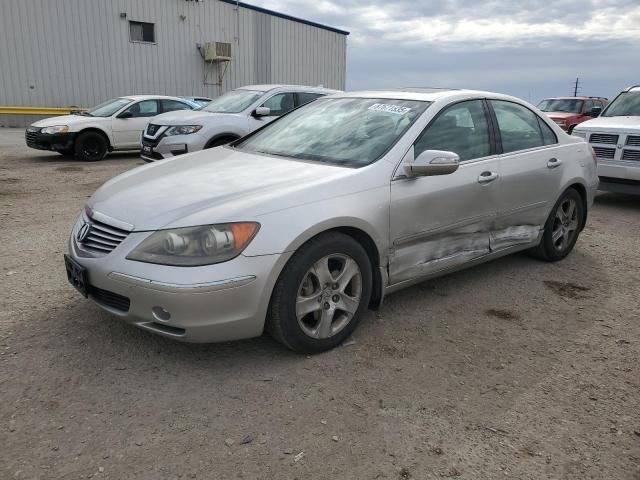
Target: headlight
183,130
579,134
55,129
195,246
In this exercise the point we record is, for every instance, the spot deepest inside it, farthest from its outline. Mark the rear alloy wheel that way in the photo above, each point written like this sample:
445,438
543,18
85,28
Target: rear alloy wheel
562,228
91,146
321,294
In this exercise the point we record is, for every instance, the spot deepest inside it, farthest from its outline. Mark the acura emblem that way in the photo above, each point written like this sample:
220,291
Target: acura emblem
83,233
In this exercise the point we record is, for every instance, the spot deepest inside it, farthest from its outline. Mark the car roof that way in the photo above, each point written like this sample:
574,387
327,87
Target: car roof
295,88
425,94
136,98
576,98
633,88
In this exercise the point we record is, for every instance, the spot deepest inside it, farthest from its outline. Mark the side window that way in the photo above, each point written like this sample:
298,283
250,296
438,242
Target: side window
548,136
173,105
588,105
519,127
305,97
145,108
461,128
280,103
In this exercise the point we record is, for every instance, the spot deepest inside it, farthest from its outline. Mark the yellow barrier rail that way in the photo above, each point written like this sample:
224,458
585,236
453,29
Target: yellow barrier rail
38,110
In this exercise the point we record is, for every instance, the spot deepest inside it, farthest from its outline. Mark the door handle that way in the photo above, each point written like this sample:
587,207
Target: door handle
486,177
553,163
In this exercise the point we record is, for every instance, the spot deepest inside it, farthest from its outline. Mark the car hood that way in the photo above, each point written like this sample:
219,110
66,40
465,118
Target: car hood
65,120
216,186
185,117
611,124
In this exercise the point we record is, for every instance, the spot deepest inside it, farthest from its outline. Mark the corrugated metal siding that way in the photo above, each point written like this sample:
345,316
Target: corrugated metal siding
58,53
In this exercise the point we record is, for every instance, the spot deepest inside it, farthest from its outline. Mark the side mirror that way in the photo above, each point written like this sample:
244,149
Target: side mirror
595,112
125,115
433,162
262,112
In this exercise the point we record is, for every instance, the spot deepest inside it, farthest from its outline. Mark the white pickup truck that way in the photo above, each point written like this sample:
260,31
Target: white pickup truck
615,138
226,118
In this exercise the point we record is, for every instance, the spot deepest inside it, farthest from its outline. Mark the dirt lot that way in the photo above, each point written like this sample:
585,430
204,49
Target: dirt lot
516,369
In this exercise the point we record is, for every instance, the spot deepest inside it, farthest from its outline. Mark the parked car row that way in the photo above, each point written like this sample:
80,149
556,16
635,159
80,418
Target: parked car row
227,118
301,225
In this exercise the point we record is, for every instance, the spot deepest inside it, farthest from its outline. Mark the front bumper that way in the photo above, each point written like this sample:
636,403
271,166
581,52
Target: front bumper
41,141
168,147
213,303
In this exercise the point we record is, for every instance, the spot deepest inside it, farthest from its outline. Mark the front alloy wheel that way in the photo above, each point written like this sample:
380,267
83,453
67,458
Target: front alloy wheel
321,294
329,296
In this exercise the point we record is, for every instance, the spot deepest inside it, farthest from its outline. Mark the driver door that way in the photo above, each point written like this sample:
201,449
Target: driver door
440,222
127,126
279,104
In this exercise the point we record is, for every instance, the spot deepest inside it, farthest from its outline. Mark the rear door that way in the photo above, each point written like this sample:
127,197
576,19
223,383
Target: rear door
440,222
531,165
127,131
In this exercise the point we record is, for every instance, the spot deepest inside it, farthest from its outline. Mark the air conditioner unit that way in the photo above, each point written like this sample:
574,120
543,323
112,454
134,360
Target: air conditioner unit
217,52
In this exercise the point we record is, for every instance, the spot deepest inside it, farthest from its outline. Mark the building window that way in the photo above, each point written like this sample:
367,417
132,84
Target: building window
142,32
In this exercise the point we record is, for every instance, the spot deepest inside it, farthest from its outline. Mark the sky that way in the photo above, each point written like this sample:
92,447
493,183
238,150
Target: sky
531,48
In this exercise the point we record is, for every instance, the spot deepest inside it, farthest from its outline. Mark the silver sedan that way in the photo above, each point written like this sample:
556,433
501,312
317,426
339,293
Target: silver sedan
301,226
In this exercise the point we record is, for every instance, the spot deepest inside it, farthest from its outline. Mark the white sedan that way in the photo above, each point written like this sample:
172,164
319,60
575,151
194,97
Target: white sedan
113,125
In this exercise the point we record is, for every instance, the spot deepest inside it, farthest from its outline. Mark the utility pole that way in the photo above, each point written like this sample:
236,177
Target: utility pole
575,88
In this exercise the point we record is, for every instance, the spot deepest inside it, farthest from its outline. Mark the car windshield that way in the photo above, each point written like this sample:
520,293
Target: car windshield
344,131
234,101
627,104
107,109
566,105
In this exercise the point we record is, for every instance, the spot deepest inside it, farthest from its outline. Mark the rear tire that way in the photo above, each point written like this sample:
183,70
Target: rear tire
562,228
321,294
91,146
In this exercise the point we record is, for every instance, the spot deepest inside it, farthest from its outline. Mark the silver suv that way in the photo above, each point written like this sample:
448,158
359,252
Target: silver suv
225,119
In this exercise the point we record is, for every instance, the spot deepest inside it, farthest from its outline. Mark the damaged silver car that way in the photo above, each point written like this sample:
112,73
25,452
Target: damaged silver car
301,226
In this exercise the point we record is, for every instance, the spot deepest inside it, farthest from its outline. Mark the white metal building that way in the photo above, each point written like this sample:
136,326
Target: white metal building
61,53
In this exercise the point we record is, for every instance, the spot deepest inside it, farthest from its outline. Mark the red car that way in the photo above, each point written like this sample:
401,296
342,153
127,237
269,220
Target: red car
568,112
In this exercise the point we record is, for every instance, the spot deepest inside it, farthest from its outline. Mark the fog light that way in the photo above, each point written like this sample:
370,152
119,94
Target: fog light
161,314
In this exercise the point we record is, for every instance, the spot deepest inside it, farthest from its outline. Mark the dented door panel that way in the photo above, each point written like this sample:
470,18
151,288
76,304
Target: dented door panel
443,221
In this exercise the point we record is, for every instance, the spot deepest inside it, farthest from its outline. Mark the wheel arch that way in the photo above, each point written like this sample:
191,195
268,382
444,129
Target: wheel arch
98,131
232,136
582,191
365,239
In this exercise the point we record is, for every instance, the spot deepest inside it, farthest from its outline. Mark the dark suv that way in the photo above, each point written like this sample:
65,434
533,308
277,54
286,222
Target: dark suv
568,112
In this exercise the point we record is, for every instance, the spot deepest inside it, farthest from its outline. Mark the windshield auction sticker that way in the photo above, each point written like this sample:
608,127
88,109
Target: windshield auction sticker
385,107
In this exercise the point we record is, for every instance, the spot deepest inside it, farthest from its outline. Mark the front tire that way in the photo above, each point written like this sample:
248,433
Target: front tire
562,228
321,294
91,146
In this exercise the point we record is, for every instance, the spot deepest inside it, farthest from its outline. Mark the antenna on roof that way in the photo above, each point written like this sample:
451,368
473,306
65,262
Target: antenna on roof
576,87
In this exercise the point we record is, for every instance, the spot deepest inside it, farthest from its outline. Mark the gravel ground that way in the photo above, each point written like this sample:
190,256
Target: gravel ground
515,369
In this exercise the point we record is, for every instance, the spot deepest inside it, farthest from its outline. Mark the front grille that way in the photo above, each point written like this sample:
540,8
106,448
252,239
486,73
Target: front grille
605,152
110,299
603,138
633,141
30,137
151,142
152,129
102,238
633,155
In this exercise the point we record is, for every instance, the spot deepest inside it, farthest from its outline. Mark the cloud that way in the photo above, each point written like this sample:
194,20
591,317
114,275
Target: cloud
530,49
